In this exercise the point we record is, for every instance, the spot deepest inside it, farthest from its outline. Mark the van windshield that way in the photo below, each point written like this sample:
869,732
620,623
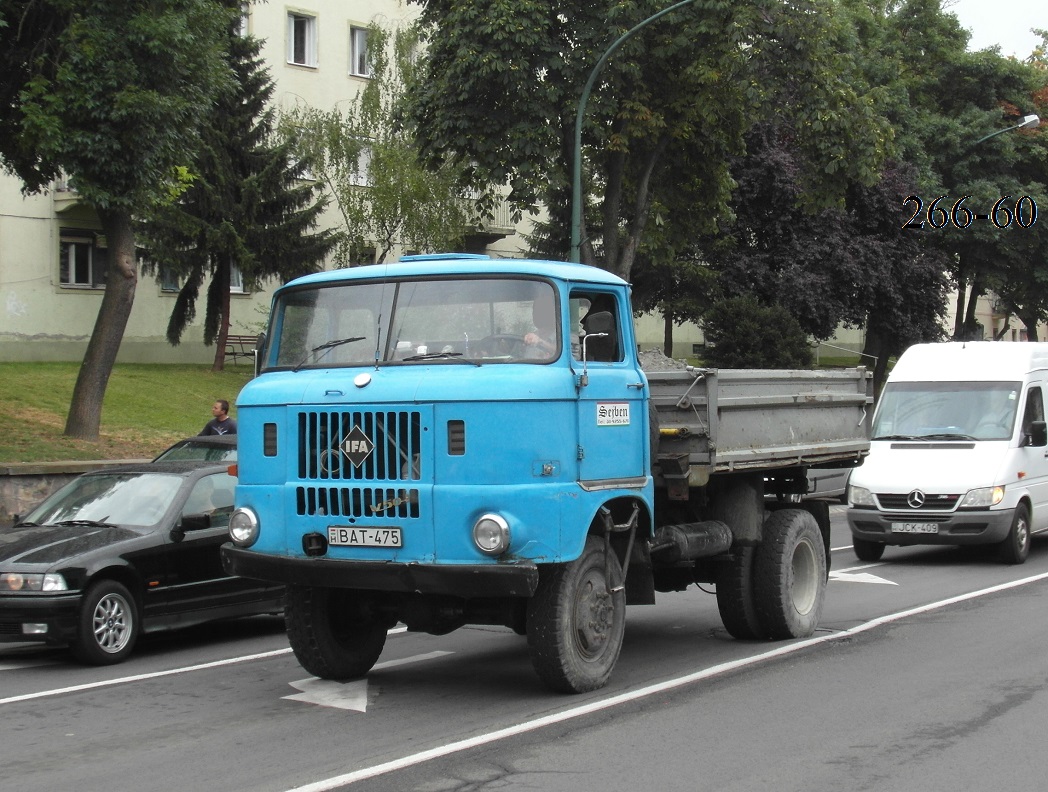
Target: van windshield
947,410
411,321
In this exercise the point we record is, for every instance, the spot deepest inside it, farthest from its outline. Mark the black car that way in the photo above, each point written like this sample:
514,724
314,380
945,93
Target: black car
123,551
212,448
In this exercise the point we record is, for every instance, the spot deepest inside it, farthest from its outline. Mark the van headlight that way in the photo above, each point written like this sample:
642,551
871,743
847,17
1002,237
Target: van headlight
859,496
243,527
491,534
982,498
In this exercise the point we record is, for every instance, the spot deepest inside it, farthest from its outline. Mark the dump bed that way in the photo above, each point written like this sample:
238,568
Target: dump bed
752,419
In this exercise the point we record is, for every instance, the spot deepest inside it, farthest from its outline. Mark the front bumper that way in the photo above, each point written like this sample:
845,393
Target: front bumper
517,579
59,612
953,528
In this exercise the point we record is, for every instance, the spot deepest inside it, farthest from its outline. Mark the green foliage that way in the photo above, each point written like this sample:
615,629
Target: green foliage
365,155
247,206
742,333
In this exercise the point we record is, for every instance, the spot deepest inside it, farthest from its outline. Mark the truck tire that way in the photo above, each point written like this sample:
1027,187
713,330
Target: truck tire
735,600
331,632
1016,546
790,580
575,623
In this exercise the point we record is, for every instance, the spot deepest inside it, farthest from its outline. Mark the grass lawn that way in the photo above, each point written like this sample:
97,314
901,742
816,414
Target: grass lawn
147,407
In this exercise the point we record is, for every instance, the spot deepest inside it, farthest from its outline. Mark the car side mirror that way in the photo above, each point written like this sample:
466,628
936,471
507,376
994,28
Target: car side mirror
1036,434
190,522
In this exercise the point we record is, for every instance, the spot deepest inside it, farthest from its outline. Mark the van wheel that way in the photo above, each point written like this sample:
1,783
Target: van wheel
1016,546
790,583
576,622
866,550
333,632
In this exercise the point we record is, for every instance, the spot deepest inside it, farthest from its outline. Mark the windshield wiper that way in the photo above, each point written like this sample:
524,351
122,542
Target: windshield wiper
89,523
948,436
897,437
328,345
26,524
451,356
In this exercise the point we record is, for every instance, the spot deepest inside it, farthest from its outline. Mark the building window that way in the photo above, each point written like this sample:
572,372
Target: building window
358,52
245,14
236,280
82,261
301,39
361,175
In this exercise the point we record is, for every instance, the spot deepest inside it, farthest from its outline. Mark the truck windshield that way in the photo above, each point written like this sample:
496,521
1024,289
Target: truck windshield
408,322
947,410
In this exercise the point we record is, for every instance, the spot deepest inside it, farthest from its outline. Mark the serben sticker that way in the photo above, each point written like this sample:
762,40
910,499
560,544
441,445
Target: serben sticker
613,414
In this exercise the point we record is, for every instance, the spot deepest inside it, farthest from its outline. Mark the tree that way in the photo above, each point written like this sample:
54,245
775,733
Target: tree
366,157
247,207
112,93
504,79
742,333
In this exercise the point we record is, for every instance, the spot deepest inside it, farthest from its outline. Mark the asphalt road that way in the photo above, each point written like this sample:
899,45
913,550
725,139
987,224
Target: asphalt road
927,673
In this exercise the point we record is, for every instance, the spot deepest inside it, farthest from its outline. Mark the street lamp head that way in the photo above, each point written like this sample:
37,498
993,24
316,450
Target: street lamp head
1029,122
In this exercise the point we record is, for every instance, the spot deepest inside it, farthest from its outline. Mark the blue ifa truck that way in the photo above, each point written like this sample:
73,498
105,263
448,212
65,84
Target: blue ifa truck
452,439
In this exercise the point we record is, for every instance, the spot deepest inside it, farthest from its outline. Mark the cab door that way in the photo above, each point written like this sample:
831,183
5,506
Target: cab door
612,394
1033,459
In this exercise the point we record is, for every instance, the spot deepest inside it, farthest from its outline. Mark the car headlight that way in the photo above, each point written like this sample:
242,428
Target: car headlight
982,498
491,534
18,581
243,527
859,496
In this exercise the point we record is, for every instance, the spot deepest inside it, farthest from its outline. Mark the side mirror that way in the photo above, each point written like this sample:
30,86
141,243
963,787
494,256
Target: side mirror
190,522
1036,434
260,348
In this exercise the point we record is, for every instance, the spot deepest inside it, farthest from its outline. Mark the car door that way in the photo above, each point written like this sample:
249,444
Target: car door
195,580
1033,459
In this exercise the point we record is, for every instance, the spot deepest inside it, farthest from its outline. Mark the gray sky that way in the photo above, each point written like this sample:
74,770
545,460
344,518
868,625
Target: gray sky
1006,23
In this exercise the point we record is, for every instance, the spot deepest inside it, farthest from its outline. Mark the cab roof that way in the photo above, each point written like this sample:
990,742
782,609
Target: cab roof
462,264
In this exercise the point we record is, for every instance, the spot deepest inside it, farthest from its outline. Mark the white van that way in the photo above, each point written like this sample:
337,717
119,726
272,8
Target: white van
959,452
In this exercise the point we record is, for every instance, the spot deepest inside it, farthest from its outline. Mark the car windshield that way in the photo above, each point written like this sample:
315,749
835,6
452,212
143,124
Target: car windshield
460,320
947,410
191,451
135,499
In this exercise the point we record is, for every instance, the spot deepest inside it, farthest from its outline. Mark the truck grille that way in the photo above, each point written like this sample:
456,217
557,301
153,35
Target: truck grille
360,445
373,503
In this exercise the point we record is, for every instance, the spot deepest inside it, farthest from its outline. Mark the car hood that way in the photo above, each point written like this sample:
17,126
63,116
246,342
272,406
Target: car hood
48,544
893,467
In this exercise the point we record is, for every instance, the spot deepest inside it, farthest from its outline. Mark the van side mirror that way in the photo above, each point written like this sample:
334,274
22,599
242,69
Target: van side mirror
1036,434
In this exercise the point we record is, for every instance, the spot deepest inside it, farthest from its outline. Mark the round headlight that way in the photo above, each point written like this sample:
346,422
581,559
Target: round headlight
243,527
491,534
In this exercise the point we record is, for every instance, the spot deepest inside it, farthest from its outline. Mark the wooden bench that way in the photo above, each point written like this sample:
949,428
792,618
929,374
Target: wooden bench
238,346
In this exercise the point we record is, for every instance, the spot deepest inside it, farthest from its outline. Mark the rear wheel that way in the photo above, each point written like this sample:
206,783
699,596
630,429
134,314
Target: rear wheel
576,622
866,550
108,625
1016,546
790,582
333,632
735,598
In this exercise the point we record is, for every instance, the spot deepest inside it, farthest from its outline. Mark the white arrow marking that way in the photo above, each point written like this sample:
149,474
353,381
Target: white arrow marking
346,695
861,577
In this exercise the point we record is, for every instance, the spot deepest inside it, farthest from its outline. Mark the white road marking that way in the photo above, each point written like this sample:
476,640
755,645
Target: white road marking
861,577
347,695
651,690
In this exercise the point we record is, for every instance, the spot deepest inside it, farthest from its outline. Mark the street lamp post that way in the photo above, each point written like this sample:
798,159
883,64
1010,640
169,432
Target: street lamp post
1029,121
576,185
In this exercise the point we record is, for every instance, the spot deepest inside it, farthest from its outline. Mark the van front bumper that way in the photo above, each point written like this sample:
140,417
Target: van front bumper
953,528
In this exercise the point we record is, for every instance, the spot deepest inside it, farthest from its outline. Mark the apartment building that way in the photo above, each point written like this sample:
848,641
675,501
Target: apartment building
52,251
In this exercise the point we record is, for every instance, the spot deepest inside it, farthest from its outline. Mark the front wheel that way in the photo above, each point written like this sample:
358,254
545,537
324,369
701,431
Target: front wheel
108,625
576,622
1016,546
333,632
790,582
866,550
